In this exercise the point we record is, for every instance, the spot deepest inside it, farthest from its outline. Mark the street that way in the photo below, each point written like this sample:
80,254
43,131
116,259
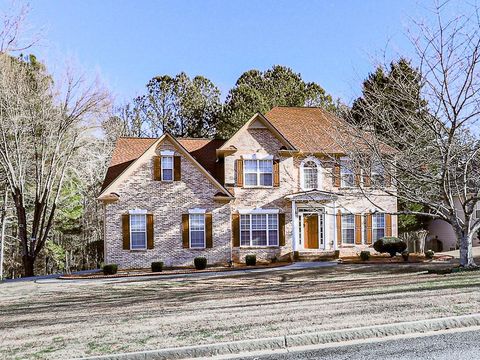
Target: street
446,346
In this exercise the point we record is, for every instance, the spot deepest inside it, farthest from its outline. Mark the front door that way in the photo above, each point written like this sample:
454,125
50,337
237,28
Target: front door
310,231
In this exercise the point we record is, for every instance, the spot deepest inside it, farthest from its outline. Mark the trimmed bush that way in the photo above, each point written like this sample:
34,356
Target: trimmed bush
157,266
110,269
200,263
390,245
365,255
405,255
337,254
429,254
251,260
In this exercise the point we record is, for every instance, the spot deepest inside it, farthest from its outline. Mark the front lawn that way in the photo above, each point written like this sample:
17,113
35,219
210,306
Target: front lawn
59,320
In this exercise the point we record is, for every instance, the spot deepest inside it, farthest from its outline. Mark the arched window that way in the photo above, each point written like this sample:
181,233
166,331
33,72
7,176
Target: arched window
310,175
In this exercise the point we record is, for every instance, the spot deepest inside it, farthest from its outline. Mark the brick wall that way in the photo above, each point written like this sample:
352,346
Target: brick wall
167,201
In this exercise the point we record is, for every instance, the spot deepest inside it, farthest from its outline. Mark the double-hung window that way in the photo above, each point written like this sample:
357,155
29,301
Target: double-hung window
138,231
346,173
258,172
378,226
378,174
197,230
167,168
259,230
348,228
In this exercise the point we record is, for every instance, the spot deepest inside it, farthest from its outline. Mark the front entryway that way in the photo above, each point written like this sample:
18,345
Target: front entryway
310,230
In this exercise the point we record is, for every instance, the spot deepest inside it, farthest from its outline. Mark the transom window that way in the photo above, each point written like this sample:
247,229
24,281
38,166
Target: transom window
167,168
259,230
258,172
310,175
346,173
348,228
138,231
197,230
378,226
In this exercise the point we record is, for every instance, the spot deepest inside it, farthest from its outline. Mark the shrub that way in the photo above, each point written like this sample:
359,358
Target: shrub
200,263
429,254
157,266
365,255
251,260
110,269
405,255
390,245
337,254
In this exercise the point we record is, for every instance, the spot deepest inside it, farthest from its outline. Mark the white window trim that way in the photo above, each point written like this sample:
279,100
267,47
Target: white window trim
257,158
138,212
197,211
190,231
173,167
319,173
267,230
258,211
167,153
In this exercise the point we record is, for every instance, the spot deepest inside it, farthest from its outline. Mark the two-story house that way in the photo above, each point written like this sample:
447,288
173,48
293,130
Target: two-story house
280,186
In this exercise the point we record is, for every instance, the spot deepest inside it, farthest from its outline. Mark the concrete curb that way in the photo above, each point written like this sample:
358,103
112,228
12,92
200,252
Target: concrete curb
291,341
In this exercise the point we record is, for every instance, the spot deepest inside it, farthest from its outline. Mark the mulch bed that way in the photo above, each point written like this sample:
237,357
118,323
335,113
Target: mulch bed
395,260
178,271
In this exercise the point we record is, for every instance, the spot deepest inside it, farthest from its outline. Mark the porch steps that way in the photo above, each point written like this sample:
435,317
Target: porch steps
314,255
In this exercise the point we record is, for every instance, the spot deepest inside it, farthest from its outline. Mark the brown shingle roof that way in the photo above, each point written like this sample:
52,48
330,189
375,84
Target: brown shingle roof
314,130
128,149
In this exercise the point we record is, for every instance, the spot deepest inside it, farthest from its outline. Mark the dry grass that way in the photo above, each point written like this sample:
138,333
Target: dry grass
74,319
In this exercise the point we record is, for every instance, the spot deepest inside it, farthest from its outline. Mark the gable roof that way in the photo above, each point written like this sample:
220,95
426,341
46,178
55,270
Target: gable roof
128,149
314,130
262,119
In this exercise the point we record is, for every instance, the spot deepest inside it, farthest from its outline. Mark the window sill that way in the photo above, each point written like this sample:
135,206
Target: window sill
259,187
138,250
258,247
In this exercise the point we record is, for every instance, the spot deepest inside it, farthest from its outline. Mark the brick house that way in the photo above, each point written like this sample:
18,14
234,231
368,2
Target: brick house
279,188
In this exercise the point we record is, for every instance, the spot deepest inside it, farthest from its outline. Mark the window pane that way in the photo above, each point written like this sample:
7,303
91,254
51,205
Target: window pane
310,178
137,222
251,179
259,238
250,165
197,239
167,162
259,222
266,179
273,237
244,230
167,174
265,166
348,228
273,221
138,240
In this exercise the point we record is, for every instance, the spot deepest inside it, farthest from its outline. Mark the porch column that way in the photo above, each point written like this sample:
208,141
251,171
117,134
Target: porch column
334,215
294,228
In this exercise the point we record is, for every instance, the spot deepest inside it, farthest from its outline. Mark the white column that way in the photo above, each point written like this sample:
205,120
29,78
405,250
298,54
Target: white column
334,216
294,228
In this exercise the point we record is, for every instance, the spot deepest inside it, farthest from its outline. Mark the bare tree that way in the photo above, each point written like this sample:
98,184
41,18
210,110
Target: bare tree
41,128
437,159
12,29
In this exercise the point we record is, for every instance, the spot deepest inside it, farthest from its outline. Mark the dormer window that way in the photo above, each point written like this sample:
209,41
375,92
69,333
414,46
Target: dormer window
258,172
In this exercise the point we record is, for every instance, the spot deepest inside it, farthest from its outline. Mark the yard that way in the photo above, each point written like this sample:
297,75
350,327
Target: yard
58,320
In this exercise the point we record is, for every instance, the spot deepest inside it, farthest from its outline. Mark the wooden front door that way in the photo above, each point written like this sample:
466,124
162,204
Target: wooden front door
310,231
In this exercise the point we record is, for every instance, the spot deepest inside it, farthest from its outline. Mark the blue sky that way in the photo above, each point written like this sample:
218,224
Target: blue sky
333,43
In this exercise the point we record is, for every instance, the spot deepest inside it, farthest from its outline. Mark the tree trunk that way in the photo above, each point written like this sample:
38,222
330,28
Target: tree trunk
466,254
28,263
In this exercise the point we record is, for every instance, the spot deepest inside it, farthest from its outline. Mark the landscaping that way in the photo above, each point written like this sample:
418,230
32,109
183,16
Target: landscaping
74,319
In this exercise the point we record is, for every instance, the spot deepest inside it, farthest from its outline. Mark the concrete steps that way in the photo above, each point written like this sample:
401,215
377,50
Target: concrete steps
320,255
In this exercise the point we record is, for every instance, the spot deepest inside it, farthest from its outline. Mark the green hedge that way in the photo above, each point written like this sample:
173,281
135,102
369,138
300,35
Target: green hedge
251,260
365,255
157,266
200,263
110,269
389,244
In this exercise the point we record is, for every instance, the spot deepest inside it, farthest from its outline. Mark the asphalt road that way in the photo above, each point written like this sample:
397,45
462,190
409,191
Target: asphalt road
447,346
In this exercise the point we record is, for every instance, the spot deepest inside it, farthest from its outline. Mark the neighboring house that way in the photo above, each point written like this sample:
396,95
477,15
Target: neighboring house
278,187
442,237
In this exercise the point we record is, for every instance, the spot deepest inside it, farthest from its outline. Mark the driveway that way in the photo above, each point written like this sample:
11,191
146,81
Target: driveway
456,253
